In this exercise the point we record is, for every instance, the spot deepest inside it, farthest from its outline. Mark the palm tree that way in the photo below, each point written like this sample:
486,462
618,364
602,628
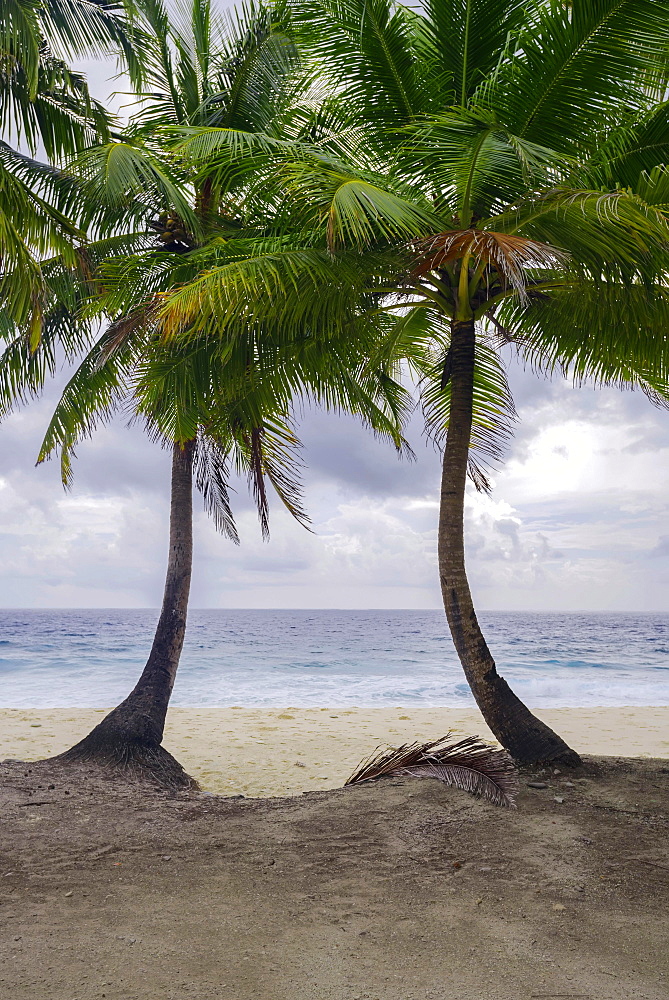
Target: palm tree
498,171
198,402
217,403
217,413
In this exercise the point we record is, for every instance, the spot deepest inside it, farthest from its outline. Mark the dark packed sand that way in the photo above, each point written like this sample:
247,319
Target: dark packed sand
397,890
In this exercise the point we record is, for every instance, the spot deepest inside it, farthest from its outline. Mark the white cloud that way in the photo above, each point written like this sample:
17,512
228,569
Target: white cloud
576,520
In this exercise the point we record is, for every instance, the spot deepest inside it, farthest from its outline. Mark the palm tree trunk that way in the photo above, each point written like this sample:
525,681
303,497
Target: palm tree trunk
527,738
130,736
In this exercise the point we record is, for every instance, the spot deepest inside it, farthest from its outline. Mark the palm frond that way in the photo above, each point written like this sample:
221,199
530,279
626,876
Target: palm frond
263,282
627,150
368,48
604,233
122,172
268,451
473,163
469,764
56,111
212,479
613,333
95,391
579,65
493,410
254,64
467,38
21,39
26,362
75,28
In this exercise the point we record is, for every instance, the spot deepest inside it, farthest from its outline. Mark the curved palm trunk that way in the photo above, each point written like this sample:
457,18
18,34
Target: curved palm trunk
130,736
527,738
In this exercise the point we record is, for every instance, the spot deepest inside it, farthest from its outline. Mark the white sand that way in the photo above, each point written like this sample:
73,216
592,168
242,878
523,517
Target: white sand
258,752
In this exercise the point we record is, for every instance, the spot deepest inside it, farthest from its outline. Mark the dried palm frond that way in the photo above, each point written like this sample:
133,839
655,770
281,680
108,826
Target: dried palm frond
509,255
469,764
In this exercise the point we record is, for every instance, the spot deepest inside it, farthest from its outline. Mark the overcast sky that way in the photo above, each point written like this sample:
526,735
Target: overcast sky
577,519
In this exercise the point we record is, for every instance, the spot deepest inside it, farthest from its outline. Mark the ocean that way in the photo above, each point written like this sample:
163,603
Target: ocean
91,658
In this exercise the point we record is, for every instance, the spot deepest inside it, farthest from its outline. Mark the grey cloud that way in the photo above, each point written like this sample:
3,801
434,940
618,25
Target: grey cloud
654,437
661,550
341,450
542,402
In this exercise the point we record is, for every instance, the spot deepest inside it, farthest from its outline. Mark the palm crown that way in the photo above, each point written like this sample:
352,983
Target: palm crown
513,158
159,225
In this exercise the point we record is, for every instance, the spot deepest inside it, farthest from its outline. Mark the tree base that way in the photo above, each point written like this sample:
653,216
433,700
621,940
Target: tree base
135,760
567,758
532,743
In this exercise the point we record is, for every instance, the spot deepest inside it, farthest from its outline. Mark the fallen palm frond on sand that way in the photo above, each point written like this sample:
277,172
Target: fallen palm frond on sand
469,764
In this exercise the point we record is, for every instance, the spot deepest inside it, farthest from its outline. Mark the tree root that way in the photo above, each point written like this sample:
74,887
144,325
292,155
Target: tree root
568,758
134,760
561,758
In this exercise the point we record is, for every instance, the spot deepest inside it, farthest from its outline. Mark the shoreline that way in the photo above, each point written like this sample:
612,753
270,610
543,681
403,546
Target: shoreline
260,752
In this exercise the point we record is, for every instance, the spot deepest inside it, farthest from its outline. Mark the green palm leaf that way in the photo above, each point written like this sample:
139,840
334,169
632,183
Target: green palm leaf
578,64
376,38
467,37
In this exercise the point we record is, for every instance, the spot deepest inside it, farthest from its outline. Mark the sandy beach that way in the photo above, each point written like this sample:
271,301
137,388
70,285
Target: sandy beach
262,752
394,890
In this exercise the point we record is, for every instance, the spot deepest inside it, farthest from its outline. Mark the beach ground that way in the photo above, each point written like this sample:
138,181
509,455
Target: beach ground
397,890
264,752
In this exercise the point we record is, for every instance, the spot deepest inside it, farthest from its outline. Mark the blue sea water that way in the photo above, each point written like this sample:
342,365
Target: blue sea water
70,658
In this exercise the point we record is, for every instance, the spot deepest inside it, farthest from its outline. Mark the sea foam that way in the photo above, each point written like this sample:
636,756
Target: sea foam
91,658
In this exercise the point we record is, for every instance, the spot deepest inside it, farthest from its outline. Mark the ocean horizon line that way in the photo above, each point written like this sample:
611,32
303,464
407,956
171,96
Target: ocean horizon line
480,611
